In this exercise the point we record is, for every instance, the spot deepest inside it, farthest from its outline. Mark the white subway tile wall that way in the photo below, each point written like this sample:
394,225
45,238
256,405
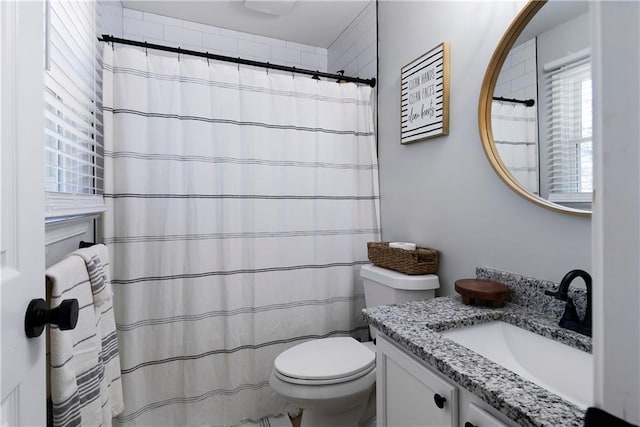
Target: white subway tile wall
110,15
143,26
518,77
518,150
355,50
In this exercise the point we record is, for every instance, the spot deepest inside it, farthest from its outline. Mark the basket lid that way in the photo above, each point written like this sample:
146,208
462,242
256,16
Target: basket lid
397,280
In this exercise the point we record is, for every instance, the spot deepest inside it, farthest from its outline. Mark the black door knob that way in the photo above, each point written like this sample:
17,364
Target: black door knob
439,400
38,315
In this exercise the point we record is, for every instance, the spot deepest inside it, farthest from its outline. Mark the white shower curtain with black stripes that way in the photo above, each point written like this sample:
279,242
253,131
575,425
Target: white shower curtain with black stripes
240,203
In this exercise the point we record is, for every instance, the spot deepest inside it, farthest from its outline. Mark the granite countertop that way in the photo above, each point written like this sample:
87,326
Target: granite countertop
415,326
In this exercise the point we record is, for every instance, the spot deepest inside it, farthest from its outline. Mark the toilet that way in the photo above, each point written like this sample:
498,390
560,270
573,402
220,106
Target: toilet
333,379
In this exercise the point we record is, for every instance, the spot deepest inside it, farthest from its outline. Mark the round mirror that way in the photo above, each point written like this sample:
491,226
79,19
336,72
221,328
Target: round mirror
535,106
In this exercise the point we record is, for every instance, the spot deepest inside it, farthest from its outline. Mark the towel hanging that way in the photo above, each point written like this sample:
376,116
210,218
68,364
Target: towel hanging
83,365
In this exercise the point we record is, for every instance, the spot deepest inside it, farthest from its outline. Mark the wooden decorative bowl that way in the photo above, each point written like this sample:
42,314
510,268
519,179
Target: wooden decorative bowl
493,294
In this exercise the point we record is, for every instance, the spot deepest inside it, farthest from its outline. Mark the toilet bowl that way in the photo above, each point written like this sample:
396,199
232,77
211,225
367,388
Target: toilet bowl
330,378
333,379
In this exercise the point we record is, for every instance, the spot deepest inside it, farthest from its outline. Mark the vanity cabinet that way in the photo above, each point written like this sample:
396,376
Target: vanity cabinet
472,415
409,394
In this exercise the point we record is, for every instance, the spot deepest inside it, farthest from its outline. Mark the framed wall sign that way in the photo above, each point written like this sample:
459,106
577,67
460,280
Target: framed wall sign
424,96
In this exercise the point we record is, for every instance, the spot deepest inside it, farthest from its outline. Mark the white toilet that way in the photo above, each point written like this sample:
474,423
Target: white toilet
333,379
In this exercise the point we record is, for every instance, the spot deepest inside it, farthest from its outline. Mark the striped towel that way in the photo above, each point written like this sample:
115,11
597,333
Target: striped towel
83,389
96,259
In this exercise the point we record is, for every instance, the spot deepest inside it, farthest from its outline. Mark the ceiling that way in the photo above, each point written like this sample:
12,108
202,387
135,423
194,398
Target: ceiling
552,14
312,22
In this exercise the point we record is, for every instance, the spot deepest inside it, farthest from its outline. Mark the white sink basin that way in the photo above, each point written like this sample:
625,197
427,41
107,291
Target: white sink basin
557,367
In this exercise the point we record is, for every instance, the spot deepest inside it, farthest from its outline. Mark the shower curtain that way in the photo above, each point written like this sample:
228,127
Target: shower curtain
515,133
240,203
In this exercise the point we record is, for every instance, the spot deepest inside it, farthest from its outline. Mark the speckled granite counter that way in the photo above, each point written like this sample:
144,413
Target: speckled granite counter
415,327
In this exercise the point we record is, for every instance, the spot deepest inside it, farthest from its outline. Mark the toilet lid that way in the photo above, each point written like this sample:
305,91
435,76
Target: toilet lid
326,359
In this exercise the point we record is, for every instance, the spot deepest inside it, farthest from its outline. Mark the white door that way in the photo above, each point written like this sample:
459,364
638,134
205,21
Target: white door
22,375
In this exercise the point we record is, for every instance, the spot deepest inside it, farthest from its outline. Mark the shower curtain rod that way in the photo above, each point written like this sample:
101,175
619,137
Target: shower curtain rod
316,74
527,102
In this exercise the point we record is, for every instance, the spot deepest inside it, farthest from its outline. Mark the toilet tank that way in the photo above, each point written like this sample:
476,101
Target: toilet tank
383,286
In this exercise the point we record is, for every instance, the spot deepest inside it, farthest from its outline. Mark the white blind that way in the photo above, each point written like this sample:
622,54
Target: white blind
570,152
73,112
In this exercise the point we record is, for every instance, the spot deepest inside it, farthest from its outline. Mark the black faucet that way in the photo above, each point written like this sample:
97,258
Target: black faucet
570,319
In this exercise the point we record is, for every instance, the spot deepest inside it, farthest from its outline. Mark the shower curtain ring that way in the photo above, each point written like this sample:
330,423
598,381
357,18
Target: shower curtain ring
238,63
178,53
268,65
293,72
146,51
208,64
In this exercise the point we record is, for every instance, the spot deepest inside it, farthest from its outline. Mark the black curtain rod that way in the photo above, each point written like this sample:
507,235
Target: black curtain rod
316,74
527,102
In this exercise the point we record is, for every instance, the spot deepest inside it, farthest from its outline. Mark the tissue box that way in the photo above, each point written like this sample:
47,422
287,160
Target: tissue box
420,261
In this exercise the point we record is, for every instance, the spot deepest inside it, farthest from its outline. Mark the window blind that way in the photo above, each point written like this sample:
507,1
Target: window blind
570,150
73,112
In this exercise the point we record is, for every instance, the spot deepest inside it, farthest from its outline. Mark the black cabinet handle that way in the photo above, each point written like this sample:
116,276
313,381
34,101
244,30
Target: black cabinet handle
439,400
38,315
469,424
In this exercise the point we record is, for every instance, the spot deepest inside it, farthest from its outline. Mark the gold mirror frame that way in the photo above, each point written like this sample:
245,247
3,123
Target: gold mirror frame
484,110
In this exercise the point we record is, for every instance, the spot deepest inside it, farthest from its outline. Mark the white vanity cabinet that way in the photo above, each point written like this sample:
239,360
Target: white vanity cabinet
409,394
472,415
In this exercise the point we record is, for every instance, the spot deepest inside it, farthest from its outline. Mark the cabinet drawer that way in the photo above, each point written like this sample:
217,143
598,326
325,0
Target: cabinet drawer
478,417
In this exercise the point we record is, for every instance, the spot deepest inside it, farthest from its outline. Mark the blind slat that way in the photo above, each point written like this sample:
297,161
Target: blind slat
60,86
568,93
73,147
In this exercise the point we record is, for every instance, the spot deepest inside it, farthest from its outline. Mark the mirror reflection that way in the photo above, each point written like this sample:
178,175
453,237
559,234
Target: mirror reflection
541,111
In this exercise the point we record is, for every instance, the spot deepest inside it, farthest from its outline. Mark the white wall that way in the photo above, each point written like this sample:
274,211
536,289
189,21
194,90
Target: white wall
143,26
443,192
110,17
616,216
355,50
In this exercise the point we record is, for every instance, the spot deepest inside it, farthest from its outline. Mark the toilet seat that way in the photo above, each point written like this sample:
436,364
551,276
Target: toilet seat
324,361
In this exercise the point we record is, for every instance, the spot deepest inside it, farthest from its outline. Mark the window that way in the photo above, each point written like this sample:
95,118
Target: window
73,142
570,149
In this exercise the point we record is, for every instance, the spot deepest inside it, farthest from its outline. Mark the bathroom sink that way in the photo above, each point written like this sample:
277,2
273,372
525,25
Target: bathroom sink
557,367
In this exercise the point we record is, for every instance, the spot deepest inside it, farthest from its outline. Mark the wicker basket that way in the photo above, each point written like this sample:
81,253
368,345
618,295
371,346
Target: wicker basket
420,261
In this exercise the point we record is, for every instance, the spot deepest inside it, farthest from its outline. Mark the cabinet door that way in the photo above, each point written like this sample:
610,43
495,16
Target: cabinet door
409,394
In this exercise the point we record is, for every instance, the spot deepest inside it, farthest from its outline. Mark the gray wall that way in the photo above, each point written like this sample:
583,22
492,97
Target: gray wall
442,192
